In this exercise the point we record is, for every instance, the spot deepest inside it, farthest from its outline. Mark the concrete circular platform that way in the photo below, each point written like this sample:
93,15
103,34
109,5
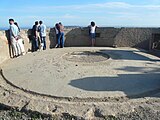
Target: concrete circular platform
128,72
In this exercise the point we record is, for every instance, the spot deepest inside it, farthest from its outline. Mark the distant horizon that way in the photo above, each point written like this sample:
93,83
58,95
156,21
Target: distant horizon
6,28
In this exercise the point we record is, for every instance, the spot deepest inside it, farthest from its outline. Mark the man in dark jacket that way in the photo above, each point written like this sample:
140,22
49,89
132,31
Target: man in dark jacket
35,37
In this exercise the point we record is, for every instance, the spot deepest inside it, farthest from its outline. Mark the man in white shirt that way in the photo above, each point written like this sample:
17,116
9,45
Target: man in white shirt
42,30
14,38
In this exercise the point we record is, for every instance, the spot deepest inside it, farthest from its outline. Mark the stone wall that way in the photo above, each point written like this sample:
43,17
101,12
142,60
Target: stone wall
4,53
77,37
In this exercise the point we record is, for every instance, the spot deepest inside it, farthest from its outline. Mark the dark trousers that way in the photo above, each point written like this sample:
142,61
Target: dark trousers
34,44
56,38
61,39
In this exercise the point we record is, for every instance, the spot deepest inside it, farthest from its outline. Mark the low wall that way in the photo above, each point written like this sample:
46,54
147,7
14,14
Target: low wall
77,37
107,37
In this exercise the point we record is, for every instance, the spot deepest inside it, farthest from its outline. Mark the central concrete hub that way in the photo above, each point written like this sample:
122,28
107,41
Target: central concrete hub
86,56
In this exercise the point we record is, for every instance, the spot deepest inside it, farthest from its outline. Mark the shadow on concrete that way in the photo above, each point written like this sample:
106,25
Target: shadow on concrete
10,48
140,69
129,55
133,85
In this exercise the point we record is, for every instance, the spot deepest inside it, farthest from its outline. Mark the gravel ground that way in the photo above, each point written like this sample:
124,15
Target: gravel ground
140,113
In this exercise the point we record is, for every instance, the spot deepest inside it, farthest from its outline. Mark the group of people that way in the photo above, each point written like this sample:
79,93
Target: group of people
38,36
38,39
16,40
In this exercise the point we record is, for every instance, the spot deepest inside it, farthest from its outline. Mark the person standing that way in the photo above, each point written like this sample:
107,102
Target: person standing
20,40
14,38
92,29
42,30
60,28
35,37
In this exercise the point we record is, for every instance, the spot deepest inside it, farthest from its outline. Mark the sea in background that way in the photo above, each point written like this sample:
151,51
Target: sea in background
6,28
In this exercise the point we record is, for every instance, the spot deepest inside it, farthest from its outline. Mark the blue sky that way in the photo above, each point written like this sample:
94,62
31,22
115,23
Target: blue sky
138,13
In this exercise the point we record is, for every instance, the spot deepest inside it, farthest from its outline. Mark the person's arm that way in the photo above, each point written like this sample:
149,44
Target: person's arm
63,28
45,27
36,32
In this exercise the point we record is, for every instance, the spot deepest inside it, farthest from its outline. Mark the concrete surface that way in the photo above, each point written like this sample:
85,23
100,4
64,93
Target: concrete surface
129,72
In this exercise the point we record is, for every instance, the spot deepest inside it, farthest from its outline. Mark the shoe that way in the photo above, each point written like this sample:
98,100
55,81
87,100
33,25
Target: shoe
57,46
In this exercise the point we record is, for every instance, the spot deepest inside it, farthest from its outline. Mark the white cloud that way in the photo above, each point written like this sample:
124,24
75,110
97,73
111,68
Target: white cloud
113,5
68,16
